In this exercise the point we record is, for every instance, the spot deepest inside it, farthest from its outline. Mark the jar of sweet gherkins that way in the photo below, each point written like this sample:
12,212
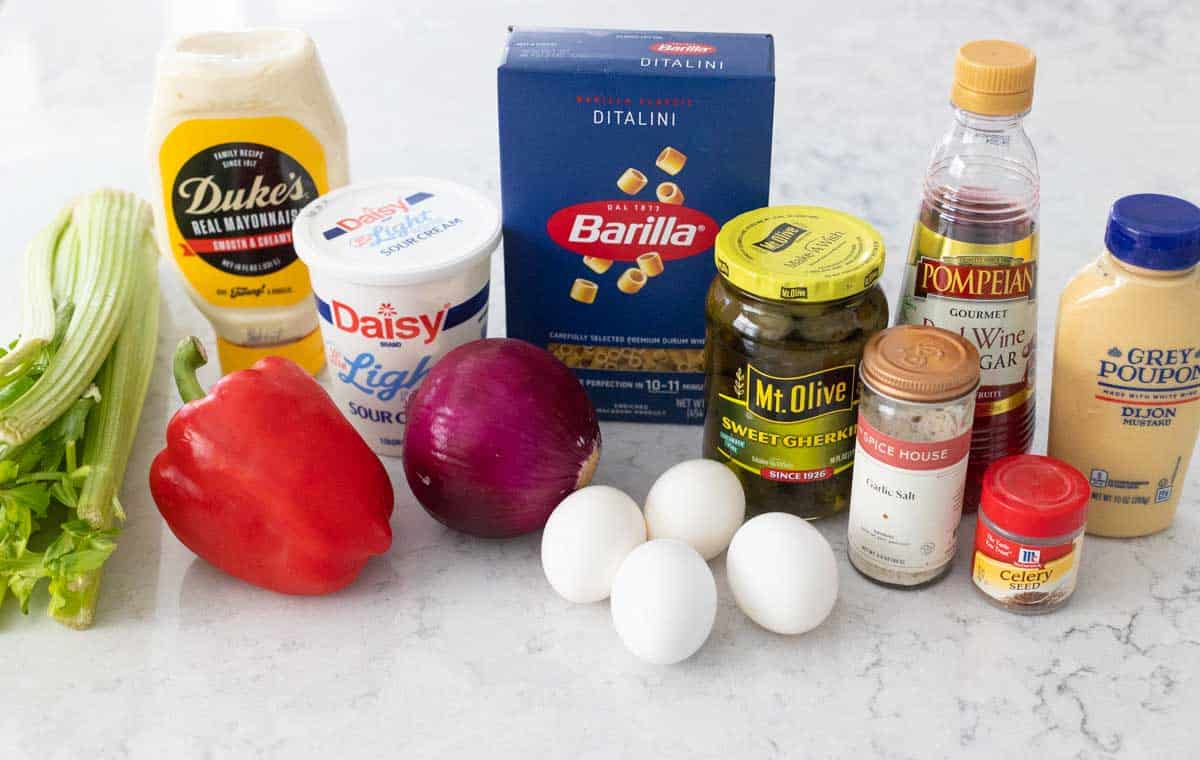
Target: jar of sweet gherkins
795,301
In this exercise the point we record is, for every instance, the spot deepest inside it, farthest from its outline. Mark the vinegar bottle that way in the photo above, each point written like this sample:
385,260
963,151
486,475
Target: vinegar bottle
972,263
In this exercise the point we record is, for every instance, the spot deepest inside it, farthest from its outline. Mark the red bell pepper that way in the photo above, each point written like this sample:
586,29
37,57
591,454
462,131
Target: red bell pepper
266,479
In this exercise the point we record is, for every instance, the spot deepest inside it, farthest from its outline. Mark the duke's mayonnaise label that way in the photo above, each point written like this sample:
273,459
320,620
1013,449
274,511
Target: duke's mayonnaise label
231,190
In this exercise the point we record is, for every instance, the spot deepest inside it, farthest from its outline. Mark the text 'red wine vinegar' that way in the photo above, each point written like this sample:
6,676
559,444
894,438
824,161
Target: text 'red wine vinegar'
972,264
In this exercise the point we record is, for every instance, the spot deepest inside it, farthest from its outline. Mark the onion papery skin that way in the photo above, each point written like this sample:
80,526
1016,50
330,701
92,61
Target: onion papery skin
496,436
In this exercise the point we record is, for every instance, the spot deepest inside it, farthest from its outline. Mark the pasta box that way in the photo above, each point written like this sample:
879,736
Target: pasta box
621,155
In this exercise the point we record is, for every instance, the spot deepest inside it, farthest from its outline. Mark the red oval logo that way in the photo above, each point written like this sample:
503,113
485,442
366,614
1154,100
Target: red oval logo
623,230
684,48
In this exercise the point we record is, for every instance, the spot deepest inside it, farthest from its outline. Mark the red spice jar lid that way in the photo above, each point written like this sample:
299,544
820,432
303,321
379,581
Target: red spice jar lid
1036,496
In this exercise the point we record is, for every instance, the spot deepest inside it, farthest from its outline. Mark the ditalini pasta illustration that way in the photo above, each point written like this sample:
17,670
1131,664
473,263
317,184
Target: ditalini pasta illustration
597,264
650,263
632,181
669,192
670,161
611,357
631,281
584,291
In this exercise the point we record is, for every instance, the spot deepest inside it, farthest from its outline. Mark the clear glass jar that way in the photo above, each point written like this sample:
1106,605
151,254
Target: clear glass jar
783,340
915,414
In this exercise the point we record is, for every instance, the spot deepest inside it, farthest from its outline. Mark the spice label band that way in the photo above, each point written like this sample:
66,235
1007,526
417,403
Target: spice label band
808,438
231,190
907,499
987,294
1018,574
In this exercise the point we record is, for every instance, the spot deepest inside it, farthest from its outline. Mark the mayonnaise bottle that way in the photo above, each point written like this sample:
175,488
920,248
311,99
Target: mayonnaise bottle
244,133
1125,403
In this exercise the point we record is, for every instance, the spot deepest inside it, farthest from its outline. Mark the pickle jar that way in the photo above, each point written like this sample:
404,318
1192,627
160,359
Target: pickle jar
795,300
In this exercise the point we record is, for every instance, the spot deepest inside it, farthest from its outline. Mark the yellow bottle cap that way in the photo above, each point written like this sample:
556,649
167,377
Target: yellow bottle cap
994,78
308,352
803,254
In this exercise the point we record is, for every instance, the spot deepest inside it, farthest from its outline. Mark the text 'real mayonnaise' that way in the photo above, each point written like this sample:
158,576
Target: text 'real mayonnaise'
400,270
244,132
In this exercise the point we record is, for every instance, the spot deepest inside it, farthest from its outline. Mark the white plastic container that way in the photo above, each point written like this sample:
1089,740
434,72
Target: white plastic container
400,269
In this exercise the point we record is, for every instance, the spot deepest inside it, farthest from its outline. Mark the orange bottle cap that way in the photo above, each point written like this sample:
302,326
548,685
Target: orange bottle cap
994,78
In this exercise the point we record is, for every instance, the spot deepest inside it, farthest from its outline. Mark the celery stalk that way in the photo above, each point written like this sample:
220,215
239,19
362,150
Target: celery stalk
66,264
37,313
110,224
68,417
111,430
123,382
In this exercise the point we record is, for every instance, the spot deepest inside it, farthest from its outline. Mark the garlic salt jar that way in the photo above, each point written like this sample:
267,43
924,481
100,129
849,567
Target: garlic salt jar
400,269
915,412
1029,535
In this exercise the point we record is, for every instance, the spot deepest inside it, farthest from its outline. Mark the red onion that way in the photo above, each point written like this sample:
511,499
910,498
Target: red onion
497,435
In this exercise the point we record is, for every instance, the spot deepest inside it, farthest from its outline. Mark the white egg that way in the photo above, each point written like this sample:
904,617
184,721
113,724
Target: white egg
664,601
699,502
585,540
782,573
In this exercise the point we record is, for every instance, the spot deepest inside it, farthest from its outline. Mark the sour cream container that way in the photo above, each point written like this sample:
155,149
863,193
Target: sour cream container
400,270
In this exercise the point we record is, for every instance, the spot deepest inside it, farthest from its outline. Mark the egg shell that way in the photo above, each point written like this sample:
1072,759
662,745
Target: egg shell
664,601
587,538
699,502
782,572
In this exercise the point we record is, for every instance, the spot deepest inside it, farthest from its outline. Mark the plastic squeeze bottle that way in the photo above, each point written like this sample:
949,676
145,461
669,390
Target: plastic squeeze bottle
972,263
1125,404
244,133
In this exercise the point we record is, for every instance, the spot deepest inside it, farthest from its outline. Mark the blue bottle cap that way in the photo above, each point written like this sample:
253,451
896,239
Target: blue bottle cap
1154,232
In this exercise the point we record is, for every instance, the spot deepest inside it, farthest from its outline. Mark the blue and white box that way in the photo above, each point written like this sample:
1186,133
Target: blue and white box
621,155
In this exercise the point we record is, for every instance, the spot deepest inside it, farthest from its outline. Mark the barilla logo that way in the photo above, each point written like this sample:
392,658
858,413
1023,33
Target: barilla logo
373,215
683,48
622,231
780,238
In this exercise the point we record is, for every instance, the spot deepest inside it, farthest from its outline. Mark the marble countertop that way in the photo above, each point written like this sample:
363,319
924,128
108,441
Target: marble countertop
453,647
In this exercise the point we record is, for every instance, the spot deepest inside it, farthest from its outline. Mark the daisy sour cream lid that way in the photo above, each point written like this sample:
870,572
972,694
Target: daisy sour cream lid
400,231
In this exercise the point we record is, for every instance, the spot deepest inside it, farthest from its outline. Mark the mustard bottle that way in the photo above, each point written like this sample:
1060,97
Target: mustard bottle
1125,403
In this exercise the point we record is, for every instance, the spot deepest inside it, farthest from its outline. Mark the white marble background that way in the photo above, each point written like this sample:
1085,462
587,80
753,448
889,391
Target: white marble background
452,647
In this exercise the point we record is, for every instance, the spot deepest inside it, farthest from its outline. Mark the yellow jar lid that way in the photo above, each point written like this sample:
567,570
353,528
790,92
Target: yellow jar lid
799,253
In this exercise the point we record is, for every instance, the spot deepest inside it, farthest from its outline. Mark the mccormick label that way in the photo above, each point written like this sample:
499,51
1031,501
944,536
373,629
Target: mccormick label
1018,574
987,294
906,499
622,154
790,429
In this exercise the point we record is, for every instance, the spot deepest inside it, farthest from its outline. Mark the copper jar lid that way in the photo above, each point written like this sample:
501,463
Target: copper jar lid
920,363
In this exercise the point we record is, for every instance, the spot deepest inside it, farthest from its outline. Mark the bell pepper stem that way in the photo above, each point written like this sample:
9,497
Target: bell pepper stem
189,357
